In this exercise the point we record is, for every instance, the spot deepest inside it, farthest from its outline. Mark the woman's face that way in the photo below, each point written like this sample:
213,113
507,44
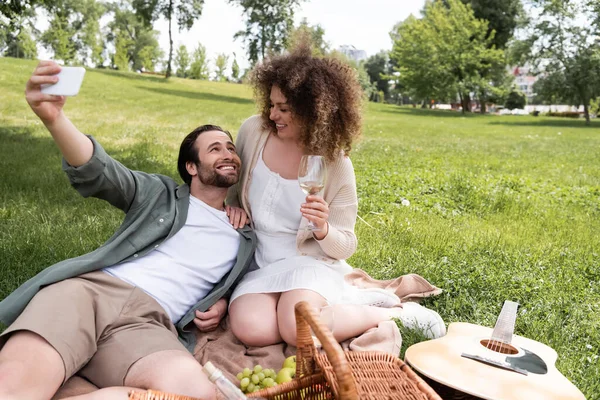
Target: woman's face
281,114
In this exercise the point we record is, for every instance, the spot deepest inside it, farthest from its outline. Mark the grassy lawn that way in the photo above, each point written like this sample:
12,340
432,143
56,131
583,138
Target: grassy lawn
500,207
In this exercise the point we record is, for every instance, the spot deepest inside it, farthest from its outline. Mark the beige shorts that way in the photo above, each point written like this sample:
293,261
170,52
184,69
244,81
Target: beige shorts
99,324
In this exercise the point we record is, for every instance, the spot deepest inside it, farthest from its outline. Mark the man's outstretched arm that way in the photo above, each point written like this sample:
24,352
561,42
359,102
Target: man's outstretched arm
76,148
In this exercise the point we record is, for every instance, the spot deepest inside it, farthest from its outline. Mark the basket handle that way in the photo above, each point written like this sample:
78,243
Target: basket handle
305,317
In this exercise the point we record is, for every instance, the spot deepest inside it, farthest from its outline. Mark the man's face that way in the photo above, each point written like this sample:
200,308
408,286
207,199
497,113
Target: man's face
219,163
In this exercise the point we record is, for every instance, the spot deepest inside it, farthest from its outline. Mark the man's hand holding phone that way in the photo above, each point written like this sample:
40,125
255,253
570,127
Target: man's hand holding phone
47,107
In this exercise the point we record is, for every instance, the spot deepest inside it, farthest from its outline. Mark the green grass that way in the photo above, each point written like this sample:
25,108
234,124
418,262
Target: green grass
500,207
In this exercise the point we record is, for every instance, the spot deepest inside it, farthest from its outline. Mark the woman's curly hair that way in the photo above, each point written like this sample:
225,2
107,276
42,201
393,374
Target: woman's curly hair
323,94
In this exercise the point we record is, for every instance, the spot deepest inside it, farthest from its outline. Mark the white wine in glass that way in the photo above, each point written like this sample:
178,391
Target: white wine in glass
312,173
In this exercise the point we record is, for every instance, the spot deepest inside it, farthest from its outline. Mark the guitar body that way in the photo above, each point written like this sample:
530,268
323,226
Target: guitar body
441,361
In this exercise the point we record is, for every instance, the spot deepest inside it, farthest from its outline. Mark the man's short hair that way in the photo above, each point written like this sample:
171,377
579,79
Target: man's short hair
188,151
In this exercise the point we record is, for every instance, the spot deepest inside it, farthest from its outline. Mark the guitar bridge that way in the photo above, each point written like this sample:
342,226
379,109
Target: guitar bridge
495,363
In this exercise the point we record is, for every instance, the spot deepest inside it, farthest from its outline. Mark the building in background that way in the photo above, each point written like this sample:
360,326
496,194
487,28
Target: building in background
353,53
524,81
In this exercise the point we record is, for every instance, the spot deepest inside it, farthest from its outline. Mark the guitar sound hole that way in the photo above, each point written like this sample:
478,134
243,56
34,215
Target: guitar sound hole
499,347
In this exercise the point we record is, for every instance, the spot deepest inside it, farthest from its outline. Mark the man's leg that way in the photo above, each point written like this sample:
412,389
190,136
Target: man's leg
30,368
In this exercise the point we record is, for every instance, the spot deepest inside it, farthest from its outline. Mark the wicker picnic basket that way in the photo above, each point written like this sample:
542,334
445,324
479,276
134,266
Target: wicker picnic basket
335,374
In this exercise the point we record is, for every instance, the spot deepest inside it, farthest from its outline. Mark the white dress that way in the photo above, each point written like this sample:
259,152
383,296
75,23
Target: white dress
275,204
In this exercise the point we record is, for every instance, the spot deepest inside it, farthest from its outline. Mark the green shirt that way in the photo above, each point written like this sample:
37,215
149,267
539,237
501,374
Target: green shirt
155,209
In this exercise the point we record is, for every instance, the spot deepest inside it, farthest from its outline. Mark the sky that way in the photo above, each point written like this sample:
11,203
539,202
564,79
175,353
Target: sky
364,24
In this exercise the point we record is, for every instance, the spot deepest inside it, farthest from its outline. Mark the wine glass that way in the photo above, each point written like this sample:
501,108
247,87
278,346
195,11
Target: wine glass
312,173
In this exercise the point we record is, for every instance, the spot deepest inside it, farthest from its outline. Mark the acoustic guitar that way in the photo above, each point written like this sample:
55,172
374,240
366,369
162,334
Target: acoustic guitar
473,361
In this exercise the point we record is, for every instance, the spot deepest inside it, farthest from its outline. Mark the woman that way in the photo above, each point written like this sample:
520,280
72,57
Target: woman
308,106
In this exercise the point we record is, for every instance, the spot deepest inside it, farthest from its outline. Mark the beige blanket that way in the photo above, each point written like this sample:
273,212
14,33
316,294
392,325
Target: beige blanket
231,356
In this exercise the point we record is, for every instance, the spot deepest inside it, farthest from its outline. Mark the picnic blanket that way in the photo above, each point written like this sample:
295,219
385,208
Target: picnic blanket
231,356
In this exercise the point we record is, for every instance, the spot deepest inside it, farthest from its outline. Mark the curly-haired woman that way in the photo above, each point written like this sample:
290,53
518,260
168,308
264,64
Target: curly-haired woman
308,105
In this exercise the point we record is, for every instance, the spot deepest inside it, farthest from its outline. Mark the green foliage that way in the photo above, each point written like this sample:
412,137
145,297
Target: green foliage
74,32
313,36
199,65
564,45
182,61
444,54
221,66
136,45
235,69
515,100
121,57
378,69
595,106
268,24
500,207
21,46
503,18
59,38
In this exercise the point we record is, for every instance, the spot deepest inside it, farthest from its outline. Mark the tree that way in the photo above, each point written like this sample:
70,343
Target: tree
378,69
515,99
16,35
136,45
74,30
503,18
59,37
235,70
182,61
199,65
306,34
186,12
268,23
564,45
21,46
221,65
146,51
443,54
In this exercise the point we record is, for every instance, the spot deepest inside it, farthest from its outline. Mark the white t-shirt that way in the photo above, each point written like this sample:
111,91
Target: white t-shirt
186,267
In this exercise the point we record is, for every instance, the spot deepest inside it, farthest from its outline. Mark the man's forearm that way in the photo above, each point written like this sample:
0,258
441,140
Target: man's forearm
76,148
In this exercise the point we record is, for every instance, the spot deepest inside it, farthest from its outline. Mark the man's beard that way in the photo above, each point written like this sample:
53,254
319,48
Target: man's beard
210,177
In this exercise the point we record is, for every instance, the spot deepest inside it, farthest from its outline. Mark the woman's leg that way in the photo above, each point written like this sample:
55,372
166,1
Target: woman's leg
286,316
347,320
350,320
253,319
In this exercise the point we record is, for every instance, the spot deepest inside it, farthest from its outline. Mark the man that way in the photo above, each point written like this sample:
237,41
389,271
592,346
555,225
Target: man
115,314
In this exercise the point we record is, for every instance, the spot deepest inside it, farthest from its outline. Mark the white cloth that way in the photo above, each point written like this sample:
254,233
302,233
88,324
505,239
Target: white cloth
275,204
186,267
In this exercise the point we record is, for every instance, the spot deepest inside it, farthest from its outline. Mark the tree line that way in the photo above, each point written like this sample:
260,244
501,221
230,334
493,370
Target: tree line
456,51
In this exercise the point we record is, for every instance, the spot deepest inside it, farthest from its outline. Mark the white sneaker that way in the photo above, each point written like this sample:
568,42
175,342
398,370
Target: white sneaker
416,317
375,297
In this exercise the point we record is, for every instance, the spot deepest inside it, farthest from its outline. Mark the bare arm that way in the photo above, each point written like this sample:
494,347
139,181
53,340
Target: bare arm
77,149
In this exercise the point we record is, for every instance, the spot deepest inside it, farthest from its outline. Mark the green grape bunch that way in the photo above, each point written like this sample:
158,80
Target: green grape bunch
255,379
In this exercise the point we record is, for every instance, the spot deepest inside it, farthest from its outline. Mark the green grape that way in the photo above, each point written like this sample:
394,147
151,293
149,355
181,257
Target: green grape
250,387
240,376
257,368
261,376
268,382
244,382
247,372
255,379
256,389
272,373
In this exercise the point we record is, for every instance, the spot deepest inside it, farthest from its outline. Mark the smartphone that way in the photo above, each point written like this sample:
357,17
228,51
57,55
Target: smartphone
69,82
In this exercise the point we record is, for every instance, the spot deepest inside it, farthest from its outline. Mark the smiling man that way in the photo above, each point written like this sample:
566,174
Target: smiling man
120,315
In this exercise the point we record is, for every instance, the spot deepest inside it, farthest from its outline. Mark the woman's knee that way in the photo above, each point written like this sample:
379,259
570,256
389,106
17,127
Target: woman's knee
254,326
